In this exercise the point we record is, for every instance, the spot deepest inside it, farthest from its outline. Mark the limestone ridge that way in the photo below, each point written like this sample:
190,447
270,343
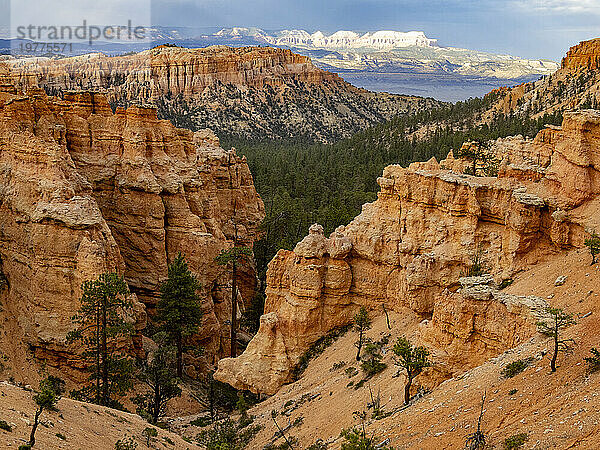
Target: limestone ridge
252,92
84,190
411,246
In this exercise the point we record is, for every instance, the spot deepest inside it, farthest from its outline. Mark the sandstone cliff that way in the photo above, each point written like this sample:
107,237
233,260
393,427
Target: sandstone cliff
409,249
85,190
252,93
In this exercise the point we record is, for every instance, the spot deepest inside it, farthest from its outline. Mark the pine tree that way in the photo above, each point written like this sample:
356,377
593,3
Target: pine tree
51,388
233,256
593,243
412,359
552,327
158,375
362,323
179,309
100,326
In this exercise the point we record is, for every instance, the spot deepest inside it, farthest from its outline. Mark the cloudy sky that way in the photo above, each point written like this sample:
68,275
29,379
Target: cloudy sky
530,28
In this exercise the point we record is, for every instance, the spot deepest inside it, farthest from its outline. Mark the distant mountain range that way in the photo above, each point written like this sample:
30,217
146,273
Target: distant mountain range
393,61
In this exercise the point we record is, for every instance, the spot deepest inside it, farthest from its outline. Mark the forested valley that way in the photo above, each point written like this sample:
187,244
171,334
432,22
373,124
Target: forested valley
302,182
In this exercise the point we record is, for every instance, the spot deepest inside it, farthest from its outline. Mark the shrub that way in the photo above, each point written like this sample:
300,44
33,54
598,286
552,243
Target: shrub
318,348
201,422
319,445
515,368
505,283
25,447
350,371
127,443
61,436
357,439
226,434
149,433
515,441
593,244
594,360
372,364
5,426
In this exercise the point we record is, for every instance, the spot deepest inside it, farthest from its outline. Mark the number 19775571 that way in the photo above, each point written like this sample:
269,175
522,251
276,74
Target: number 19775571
45,47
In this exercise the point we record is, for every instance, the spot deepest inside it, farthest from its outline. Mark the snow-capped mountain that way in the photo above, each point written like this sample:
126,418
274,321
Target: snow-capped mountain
339,40
393,61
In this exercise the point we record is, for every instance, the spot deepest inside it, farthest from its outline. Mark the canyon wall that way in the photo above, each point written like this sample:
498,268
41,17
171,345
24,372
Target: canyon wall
583,56
251,93
85,191
410,248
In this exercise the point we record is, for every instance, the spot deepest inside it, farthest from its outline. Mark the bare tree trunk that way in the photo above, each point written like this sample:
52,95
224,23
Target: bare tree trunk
360,339
105,393
555,355
407,390
234,309
179,356
36,422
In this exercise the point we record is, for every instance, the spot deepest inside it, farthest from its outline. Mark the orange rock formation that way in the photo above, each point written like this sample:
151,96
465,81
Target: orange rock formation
86,191
411,246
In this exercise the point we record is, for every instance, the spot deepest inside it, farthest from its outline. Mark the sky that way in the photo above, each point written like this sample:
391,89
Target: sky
527,28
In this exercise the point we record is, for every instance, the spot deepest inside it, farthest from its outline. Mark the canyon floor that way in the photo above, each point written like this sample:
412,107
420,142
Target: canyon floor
560,410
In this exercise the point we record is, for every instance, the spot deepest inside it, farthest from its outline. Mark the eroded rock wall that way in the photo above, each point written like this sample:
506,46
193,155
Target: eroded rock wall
251,92
85,191
411,246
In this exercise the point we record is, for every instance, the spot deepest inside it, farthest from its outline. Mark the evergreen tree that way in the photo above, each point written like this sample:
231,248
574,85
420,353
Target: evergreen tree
412,359
552,327
362,323
593,243
179,309
100,326
51,388
233,256
158,375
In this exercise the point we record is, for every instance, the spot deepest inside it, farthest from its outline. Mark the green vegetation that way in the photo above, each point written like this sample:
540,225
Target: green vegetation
157,375
516,367
594,360
412,359
51,388
478,439
227,435
372,363
61,436
558,320
179,310
232,257
515,441
5,426
357,438
362,323
303,183
317,348
127,443
149,433
593,243
101,327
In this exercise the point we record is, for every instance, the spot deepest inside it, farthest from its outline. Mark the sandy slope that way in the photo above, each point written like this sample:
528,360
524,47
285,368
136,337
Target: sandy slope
85,426
560,410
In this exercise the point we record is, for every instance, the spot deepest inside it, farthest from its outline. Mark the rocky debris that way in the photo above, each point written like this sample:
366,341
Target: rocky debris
250,92
85,191
560,280
409,249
